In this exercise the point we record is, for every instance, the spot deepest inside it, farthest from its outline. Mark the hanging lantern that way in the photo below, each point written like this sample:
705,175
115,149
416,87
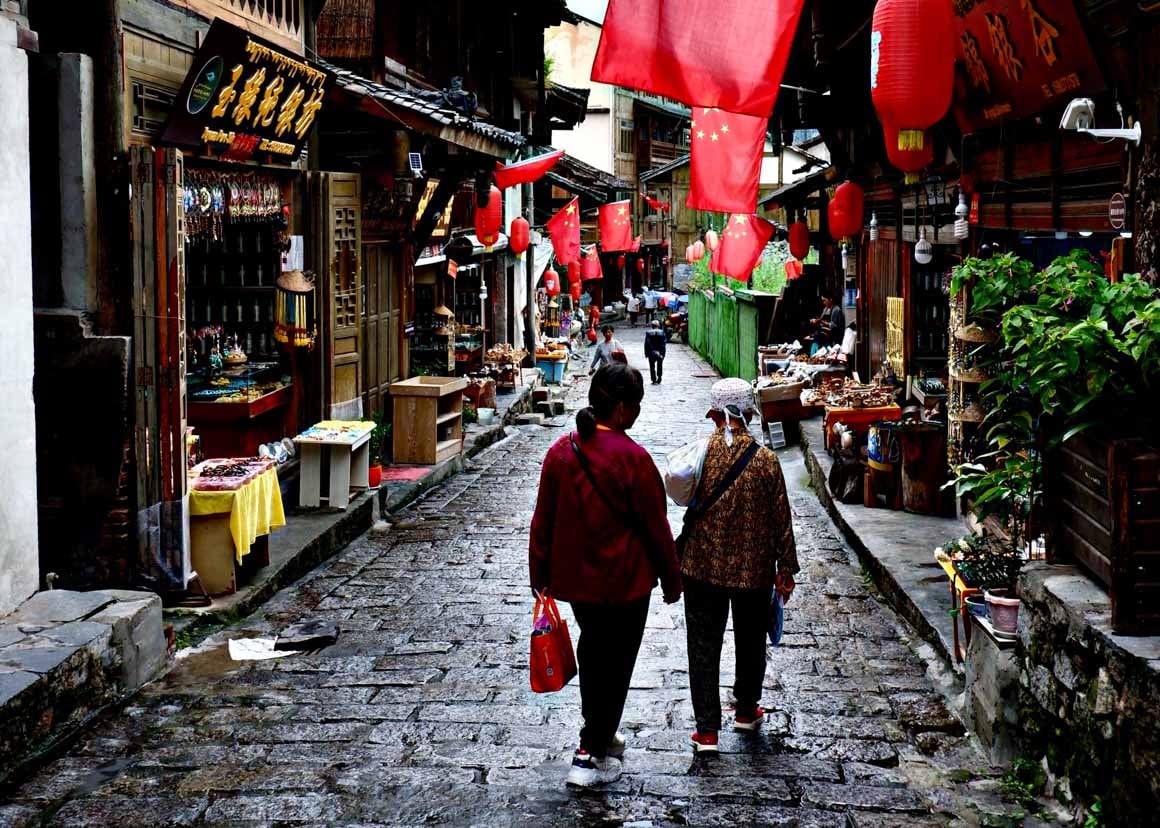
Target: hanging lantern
689,254
575,289
910,161
665,244
698,251
519,236
295,320
924,250
793,269
873,227
592,337
712,240
489,219
620,262
640,265
912,65
574,270
551,282
799,240
845,211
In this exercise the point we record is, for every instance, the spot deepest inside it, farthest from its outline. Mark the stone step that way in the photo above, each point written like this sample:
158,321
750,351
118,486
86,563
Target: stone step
530,419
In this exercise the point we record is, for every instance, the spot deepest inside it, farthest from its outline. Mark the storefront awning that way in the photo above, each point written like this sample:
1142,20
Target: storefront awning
420,114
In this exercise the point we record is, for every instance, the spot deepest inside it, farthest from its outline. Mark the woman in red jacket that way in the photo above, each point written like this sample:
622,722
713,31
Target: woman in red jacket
606,558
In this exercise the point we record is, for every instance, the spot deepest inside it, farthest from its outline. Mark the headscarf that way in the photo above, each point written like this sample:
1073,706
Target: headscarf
732,397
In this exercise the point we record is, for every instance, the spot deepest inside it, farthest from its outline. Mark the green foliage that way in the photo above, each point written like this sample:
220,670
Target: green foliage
549,65
987,562
995,284
769,275
1023,784
470,415
1095,815
379,435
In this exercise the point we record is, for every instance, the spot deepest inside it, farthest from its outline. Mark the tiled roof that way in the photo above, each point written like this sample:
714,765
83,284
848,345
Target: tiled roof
657,172
584,179
358,85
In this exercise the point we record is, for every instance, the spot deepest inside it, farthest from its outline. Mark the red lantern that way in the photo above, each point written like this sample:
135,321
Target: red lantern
712,240
909,161
591,268
592,337
551,282
640,265
912,65
489,219
573,272
689,254
698,251
519,236
845,211
620,262
799,240
575,290
665,245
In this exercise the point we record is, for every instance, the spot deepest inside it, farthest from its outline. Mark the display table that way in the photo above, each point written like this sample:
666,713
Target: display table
227,524
347,442
959,611
428,419
858,420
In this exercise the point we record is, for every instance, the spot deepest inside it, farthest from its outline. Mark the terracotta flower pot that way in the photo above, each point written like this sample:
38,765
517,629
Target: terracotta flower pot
1004,611
375,476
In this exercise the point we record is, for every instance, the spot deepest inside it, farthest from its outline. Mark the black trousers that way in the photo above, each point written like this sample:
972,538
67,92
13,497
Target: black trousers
706,612
610,636
656,367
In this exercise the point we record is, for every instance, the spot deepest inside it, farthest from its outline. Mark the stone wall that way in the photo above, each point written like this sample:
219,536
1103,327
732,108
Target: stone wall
1088,698
19,576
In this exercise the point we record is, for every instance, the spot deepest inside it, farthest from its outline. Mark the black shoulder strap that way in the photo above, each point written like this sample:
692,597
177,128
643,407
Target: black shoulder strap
592,479
699,508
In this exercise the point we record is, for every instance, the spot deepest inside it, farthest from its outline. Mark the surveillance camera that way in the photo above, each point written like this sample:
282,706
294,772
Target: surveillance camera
1080,114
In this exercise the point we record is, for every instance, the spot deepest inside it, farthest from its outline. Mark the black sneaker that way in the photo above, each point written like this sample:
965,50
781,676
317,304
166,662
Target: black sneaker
588,771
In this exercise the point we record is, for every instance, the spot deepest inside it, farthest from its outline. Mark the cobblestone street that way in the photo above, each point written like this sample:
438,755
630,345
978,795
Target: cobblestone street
422,713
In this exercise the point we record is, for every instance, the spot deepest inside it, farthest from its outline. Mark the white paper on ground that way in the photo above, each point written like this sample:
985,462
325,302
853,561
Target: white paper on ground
256,649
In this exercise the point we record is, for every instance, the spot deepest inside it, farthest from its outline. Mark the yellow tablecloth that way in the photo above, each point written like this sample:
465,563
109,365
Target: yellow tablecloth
254,509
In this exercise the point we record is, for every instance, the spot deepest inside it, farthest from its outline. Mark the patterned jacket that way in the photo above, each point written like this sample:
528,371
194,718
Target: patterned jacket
746,538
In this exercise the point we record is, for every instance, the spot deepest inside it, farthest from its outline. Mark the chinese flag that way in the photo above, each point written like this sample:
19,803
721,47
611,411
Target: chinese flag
616,226
729,54
526,171
653,203
742,241
725,160
635,248
564,230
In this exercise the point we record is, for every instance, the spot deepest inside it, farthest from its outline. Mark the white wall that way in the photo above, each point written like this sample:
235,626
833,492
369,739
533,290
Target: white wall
19,571
573,48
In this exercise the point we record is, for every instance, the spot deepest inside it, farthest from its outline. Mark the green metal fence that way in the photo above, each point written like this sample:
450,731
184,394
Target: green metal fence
724,330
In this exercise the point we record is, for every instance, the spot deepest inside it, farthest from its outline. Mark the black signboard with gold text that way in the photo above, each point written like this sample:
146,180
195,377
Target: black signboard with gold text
244,96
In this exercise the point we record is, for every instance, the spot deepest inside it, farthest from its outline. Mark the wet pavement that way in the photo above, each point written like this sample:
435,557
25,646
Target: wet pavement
421,714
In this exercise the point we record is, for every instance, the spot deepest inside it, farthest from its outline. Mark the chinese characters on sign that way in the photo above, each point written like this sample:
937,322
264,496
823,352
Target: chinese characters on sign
246,96
1020,56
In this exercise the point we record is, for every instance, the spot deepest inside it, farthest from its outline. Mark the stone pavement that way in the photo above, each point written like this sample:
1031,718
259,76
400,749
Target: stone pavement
421,713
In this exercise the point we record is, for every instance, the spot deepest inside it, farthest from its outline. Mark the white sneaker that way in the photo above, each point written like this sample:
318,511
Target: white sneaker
587,770
617,745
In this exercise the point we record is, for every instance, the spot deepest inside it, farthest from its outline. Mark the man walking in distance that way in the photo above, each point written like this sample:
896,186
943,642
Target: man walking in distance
654,351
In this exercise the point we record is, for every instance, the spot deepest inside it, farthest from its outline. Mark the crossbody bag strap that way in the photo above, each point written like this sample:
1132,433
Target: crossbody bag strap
592,479
735,471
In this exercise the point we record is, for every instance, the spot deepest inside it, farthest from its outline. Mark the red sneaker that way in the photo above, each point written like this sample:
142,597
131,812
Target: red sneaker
704,742
748,724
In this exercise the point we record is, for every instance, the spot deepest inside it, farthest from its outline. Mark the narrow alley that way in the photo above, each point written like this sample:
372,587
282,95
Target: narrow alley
422,714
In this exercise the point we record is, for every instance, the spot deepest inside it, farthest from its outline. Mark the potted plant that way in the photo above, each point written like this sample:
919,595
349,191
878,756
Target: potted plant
378,439
988,562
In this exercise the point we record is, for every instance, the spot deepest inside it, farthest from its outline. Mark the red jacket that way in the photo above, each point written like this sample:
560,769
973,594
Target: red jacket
580,549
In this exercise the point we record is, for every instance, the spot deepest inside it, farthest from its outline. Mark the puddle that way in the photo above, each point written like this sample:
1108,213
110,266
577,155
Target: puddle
198,663
104,774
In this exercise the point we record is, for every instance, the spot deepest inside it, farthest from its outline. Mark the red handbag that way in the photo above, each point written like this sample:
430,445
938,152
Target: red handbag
552,661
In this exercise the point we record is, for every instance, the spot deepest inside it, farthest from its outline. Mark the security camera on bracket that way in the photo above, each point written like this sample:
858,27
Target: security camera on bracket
1080,115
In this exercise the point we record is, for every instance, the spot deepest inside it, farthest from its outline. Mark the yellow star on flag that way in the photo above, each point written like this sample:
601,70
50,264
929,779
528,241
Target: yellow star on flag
700,133
725,128
620,211
571,209
714,136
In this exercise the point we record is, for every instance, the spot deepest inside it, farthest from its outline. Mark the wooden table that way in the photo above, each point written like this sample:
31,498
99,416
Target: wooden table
347,443
858,420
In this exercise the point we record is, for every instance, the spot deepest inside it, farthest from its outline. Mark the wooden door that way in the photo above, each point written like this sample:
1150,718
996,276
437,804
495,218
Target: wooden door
882,281
381,323
342,294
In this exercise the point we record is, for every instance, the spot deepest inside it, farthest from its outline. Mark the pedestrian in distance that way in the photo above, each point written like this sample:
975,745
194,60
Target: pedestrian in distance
606,559
633,309
608,350
650,304
737,540
655,343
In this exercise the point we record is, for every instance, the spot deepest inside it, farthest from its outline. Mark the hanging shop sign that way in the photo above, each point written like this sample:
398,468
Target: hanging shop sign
1117,211
1018,58
244,96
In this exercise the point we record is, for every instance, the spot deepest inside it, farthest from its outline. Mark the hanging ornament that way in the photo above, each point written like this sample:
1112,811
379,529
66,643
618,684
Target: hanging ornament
962,211
575,290
620,262
924,250
910,161
712,240
799,240
689,254
845,257
574,271
489,219
551,282
698,251
912,65
295,321
640,265
519,235
665,245
873,227
845,211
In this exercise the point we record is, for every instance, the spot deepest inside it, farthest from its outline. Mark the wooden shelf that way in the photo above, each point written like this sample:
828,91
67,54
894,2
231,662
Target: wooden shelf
447,448
450,416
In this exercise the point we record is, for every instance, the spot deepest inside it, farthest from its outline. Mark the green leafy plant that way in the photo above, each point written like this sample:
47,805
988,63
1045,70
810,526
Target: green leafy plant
470,415
986,562
379,436
1095,815
1023,784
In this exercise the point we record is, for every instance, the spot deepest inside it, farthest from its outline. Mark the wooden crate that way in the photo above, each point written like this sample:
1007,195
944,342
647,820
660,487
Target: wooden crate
428,422
1104,498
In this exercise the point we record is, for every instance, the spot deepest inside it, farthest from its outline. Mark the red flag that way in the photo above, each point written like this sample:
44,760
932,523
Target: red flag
742,241
635,245
616,226
725,160
725,53
564,229
653,203
526,171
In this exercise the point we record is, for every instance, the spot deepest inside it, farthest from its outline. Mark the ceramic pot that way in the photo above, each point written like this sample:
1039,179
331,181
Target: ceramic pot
977,605
1004,611
375,476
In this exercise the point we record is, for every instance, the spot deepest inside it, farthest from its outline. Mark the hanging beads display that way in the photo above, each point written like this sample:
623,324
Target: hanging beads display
212,199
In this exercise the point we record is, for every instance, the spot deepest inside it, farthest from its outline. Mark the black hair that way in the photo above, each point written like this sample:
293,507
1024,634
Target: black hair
607,329
613,384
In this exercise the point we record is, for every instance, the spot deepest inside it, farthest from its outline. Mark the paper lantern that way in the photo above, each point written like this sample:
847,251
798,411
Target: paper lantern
909,161
689,254
575,289
712,240
574,270
665,244
845,211
912,65
489,219
698,251
551,282
592,337
640,265
295,321
799,240
620,262
793,269
519,236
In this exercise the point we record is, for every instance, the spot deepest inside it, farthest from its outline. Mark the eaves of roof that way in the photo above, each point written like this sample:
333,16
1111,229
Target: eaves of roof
657,172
